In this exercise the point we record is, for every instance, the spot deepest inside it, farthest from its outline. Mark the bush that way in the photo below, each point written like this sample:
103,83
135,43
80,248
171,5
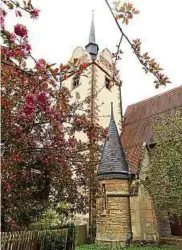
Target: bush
53,218
52,242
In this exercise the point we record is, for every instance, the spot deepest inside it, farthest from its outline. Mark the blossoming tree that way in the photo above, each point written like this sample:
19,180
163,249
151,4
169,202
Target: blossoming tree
42,161
40,153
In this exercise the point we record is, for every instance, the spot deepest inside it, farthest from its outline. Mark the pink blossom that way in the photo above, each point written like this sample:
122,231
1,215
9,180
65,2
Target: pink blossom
12,37
20,30
2,22
26,47
30,98
11,53
42,97
8,185
17,157
17,52
29,110
46,109
106,132
3,12
41,63
12,223
35,13
59,127
46,161
19,130
22,116
72,142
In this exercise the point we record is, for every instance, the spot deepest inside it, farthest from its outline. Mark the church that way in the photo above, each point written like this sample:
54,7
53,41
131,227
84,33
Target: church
124,211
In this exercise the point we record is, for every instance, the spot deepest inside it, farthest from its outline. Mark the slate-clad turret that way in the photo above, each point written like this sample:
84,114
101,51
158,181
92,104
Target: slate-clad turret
92,46
113,162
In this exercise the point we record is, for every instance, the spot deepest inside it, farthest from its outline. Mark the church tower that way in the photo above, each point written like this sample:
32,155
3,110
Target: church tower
113,203
100,81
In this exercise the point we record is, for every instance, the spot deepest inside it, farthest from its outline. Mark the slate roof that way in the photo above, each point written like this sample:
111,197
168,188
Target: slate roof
113,162
138,122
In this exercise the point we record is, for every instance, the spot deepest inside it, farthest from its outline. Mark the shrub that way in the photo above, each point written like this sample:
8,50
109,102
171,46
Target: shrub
53,218
52,242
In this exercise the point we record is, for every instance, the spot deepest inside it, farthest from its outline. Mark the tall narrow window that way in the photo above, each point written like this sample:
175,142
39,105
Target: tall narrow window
107,83
76,81
104,196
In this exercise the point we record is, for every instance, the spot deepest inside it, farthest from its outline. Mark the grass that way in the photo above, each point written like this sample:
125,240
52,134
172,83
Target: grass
96,247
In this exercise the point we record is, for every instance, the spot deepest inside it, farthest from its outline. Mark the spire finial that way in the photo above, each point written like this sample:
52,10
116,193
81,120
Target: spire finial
92,30
112,112
92,47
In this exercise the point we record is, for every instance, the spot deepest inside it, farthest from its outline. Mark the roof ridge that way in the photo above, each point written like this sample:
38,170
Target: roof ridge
153,97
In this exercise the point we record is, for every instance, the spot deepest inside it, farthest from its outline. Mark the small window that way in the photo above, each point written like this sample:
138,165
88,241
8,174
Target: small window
108,83
76,81
103,188
104,204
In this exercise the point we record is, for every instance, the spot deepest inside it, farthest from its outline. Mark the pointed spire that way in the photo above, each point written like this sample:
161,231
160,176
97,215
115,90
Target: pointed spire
92,30
113,163
112,113
92,47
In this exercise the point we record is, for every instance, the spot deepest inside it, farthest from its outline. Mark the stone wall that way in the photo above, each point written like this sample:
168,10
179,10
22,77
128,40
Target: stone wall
143,215
143,219
113,223
121,213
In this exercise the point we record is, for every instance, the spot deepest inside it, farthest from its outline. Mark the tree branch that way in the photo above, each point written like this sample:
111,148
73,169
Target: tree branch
118,46
130,43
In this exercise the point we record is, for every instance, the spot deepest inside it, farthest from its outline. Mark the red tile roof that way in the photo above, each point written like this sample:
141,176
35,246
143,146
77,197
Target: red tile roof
138,121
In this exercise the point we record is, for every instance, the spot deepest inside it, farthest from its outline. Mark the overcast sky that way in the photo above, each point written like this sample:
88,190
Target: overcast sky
64,24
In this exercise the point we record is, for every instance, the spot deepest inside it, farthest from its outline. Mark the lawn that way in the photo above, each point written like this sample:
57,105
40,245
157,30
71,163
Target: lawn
96,247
